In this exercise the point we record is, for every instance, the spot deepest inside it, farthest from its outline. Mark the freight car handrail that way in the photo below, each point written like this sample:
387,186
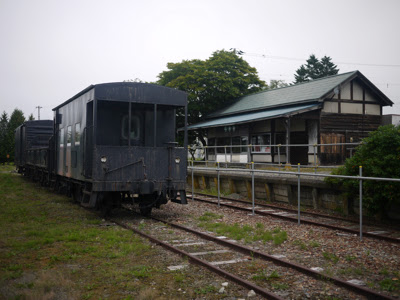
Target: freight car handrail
131,164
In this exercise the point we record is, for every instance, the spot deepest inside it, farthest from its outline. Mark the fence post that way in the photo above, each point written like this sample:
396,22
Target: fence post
279,156
226,159
298,193
192,182
218,184
361,212
315,158
252,186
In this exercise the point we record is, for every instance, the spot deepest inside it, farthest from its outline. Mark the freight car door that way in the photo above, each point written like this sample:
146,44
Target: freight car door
68,152
60,149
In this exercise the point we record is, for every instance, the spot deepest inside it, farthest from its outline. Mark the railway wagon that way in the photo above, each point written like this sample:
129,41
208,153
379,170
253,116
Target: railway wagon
116,142
32,148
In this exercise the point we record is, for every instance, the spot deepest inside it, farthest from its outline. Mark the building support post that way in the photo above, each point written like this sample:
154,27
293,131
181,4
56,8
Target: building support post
287,125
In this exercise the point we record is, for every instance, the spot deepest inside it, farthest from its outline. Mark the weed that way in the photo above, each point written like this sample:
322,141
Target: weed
301,244
384,271
353,271
279,286
28,285
87,296
263,276
330,256
280,237
389,285
206,290
276,230
141,272
350,258
179,277
12,271
209,216
314,244
246,232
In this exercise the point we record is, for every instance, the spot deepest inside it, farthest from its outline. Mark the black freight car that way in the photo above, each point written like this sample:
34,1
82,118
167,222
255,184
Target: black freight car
32,148
116,141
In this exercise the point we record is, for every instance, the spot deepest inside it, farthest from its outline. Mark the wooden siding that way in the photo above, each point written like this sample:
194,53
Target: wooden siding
345,122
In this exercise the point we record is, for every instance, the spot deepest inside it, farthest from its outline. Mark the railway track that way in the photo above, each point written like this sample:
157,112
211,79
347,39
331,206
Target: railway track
238,263
311,218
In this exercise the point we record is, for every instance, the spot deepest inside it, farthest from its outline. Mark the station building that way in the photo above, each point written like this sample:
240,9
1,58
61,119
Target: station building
337,109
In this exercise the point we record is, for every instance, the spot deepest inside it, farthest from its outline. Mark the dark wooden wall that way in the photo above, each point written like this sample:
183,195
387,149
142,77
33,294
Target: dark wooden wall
343,128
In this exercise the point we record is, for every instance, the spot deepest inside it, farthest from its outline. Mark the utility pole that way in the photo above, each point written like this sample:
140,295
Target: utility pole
39,107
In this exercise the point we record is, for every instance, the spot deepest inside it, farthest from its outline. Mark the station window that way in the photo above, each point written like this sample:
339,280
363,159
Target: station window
239,144
61,137
244,141
211,144
77,139
221,143
236,144
261,143
69,135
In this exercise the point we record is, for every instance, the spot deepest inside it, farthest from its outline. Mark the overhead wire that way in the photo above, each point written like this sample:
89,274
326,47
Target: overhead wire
302,59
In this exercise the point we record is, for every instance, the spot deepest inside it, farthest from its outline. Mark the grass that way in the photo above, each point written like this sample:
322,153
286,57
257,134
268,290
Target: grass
303,246
388,284
209,216
52,248
262,276
330,257
7,167
242,232
357,271
206,290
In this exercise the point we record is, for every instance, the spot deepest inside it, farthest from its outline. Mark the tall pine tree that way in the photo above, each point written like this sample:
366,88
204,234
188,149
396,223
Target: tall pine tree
315,68
3,137
17,118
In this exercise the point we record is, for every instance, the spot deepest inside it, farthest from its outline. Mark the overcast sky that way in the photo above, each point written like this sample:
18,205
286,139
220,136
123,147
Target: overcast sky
50,50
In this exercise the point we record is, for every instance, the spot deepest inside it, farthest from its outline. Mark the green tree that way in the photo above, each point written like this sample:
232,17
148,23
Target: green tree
16,119
31,117
315,68
211,84
276,84
3,137
379,156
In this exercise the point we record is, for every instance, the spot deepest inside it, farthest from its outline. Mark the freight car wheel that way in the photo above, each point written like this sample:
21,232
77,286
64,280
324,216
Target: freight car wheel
106,204
77,193
145,209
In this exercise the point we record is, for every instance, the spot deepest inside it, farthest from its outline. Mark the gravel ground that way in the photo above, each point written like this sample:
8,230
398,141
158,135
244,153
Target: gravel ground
375,263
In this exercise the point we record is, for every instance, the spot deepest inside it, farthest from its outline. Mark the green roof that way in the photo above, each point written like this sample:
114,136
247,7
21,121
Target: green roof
303,93
255,116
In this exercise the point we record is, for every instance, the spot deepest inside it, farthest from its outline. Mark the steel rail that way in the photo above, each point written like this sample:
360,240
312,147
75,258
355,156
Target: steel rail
247,284
258,254
338,218
294,219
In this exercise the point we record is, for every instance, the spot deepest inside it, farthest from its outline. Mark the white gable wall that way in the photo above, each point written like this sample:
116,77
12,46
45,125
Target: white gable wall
347,107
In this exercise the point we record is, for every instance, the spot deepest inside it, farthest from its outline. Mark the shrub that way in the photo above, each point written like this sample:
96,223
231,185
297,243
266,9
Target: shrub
379,156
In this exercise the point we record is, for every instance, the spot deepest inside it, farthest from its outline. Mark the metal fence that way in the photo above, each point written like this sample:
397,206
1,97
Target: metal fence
253,171
225,153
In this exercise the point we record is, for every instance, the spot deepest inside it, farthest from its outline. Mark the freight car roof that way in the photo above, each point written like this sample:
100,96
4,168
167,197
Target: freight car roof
134,92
